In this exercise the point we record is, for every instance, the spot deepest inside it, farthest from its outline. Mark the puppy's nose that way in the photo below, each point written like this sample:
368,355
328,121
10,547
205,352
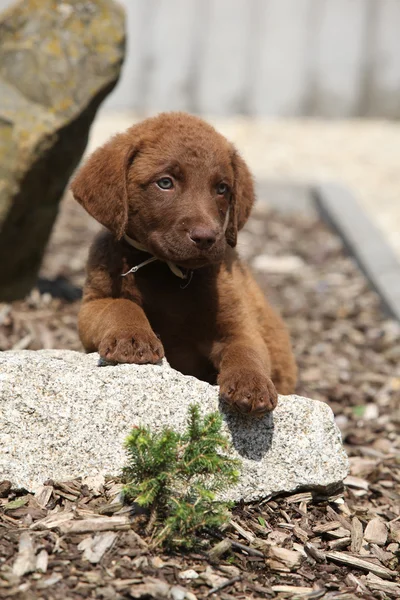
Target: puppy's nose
203,237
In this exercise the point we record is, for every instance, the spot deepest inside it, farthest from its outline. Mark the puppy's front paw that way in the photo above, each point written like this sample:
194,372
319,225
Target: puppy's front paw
137,347
248,392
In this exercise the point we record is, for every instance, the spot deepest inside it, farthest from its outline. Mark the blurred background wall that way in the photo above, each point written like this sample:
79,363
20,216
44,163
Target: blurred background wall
329,58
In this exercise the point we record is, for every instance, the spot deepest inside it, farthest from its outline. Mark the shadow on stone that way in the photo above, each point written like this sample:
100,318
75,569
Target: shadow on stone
251,437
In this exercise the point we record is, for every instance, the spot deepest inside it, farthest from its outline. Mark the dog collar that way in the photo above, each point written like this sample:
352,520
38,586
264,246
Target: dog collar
174,268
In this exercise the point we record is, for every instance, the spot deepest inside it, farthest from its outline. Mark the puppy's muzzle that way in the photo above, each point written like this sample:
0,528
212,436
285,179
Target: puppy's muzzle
203,237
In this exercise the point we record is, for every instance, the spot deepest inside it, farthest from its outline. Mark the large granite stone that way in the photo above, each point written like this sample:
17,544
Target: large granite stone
63,416
58,61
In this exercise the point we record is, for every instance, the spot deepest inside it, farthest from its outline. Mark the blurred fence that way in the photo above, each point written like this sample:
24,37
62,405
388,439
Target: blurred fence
335,58
331,58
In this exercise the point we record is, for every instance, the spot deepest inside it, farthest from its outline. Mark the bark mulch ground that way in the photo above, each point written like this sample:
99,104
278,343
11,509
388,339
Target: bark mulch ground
73,539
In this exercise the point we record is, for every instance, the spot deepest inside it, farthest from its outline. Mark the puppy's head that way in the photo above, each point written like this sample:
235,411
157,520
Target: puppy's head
172,183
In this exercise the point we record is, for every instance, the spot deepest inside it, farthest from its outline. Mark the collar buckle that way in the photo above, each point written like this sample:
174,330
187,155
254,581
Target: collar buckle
173,267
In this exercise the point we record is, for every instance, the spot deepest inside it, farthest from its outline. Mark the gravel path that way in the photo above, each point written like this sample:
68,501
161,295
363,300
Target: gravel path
363,155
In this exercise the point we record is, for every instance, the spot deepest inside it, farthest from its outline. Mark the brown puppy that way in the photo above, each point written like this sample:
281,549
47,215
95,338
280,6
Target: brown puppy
173,188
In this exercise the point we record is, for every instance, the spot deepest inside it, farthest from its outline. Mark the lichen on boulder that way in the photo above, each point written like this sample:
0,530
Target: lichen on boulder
58,61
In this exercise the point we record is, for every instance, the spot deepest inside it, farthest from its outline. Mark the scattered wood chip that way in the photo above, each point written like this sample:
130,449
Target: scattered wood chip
277,537
229,570
23,343
179,593
5,487
343,506
325,527
378,584
286,517
393,548
155,588
151,588
223,585
358,563
361,467
359,493
291,589
52,580
5,310
66,495
95,547
95,483
300,533
338,517
299,548
353,581
340,544
137,539
95,524
338,533
289,558
25,561
303,506
220,549
212,579
121,584
43,495
42,561
356,535
248,549
114,490
53,520
315,552
189,574
247,535
395,532
365,549
356,482
278,264
376,532
381,554
111,508
141,562
156,562
303,497
68,488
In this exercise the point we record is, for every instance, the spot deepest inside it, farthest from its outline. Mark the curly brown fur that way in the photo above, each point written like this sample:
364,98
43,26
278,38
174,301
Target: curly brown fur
218,328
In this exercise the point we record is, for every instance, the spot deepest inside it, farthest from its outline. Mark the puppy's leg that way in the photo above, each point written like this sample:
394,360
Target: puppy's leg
244,376
119,330
253,353
275,335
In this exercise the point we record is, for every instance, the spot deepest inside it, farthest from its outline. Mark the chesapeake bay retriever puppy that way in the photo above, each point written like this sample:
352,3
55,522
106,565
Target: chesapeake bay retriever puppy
164,278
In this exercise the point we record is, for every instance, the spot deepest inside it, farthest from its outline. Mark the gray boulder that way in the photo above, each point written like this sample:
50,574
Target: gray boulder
58,61
62,416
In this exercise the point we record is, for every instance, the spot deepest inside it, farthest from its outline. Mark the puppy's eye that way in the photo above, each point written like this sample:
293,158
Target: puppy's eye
165,183
222,188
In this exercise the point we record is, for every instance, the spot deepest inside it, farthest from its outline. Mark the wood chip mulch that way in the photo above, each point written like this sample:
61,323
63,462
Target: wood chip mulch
74,540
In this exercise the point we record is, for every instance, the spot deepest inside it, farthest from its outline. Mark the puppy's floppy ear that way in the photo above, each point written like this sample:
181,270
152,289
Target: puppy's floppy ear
242,198
100,184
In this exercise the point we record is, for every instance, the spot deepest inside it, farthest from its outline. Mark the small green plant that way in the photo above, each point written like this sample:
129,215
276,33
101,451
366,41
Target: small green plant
177,476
